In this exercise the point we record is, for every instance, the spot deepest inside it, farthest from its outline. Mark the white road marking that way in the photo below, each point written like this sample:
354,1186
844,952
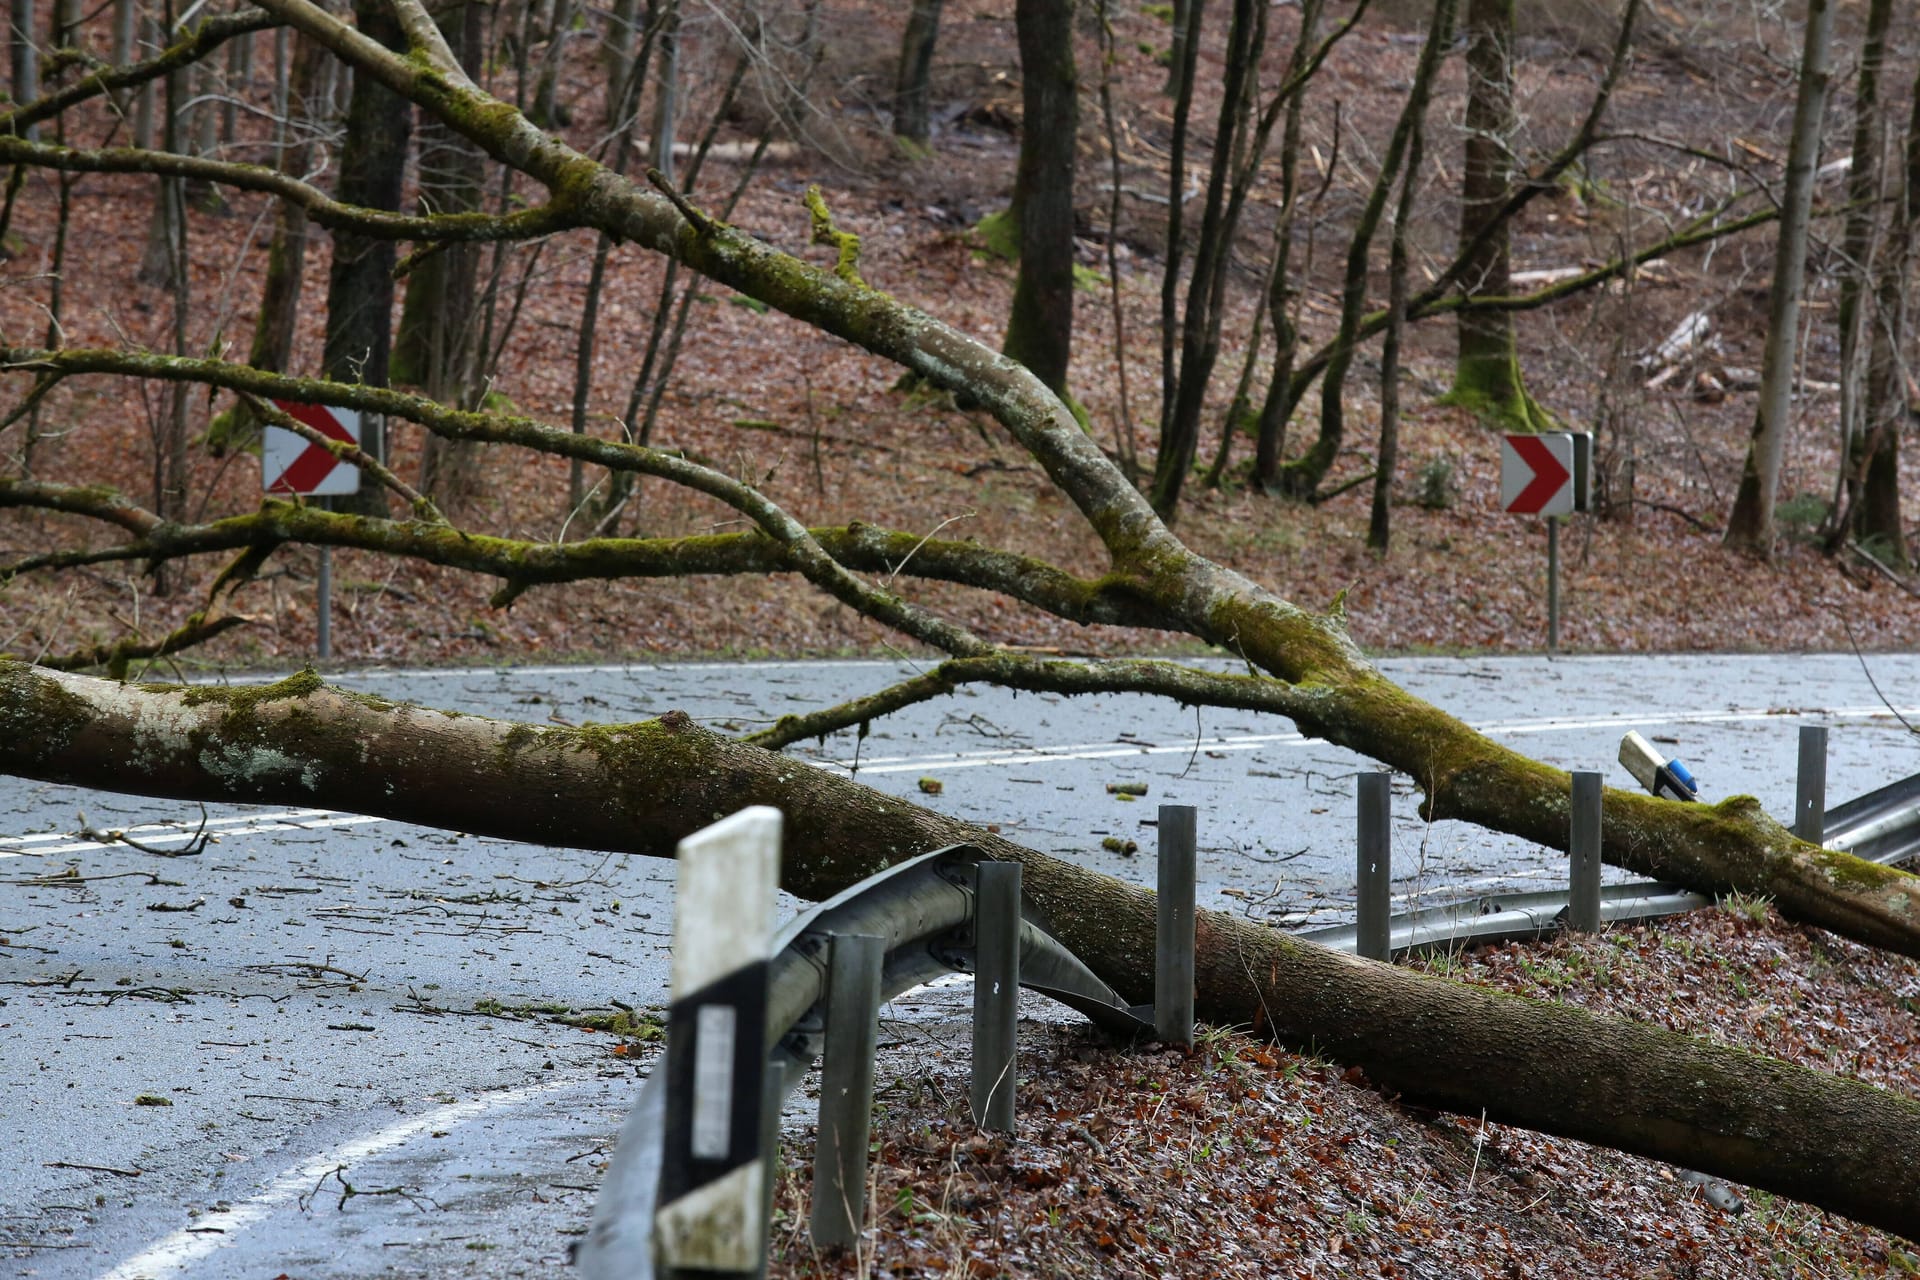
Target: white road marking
1255,742
174,1254
171,833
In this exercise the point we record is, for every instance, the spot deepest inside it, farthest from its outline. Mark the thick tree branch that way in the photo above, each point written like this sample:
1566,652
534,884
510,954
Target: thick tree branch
803,554
194,45
322,208
96,501
1184,684
523,565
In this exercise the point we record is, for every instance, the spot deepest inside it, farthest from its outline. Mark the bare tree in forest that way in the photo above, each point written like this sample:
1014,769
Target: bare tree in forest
913,85
1305,476
434,347
1872,514
300,117
1380,519
373,160
1750,523
1040,324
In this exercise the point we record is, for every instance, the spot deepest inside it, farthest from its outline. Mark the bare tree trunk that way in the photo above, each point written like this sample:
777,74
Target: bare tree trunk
544,110
1276,408
1833,1142
1304,476
1040,326
373,162
1200,327
23,47
434,348
143,98
1750,523
616,52
299,107
1875,518
1857,244
913,84
1380,520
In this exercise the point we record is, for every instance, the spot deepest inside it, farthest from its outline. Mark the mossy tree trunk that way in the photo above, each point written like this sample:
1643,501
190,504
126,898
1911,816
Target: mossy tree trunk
640,788
1486,377
1040,325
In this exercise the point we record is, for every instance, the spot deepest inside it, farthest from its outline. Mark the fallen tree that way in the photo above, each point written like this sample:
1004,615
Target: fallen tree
1313,673
639,788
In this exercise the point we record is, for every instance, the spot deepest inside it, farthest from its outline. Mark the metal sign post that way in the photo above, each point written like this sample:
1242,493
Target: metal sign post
712,1204
1547,475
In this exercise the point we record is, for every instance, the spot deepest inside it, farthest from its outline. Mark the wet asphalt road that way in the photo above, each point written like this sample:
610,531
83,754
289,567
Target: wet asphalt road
194,1046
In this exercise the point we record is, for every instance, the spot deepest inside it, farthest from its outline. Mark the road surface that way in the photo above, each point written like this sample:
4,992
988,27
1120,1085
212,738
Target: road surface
327,1045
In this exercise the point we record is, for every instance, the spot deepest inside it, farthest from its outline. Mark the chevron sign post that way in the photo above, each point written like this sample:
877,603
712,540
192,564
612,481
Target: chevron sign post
1536,475
712,1205
292,464
1547,475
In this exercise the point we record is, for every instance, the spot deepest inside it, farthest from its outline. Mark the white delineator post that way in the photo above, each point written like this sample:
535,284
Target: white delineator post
713,1189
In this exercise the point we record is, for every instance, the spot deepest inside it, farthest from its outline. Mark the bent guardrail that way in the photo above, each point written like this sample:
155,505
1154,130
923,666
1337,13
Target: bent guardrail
831,968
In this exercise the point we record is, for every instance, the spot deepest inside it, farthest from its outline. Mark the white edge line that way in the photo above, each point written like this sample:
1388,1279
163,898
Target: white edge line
178,1251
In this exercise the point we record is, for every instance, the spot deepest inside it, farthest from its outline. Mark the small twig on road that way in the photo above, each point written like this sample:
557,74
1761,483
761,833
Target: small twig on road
1848,627
348,1191
193,848
54,879
91,1168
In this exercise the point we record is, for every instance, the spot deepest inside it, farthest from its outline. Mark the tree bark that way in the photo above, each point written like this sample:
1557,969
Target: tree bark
1750,523
434,347
913,86
1487,372
373,161
640,788
1040,326
1873,515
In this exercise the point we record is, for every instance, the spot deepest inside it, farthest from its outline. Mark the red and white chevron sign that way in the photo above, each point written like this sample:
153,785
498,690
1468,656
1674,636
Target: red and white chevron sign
1536,474
291,464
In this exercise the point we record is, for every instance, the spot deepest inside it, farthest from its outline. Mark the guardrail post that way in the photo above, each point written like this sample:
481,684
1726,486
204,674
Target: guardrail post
1583,855
1375,866
1810,791
846,1088
996,993
712,1205
1173,950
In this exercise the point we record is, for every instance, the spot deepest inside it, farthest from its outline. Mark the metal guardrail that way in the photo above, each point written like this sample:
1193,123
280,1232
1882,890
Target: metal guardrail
1882,826
923,910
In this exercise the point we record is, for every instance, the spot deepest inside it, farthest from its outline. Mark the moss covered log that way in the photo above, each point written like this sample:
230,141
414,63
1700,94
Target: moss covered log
640,788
